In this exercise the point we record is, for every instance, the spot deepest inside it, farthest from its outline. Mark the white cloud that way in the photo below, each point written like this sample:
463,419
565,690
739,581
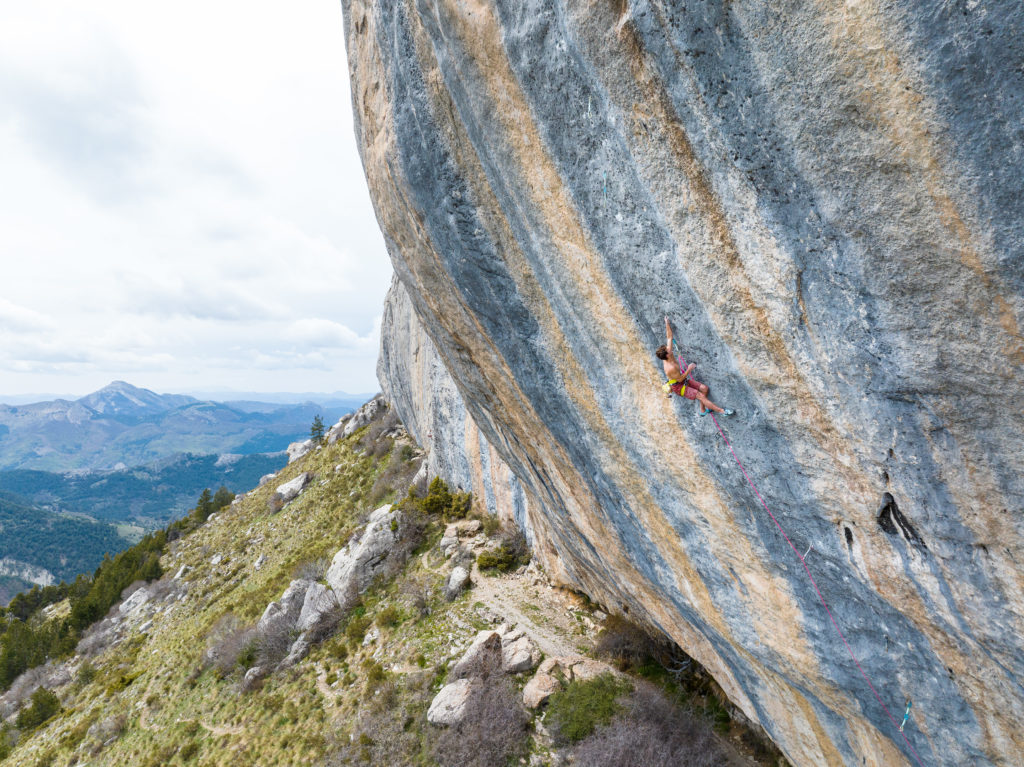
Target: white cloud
183,204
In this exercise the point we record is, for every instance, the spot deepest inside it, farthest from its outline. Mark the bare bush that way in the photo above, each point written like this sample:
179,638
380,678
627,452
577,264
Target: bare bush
395,477
315,570
164,589
626,643
21,690
273,642
231,645
492,733
418,592
107,730
97,638
651,732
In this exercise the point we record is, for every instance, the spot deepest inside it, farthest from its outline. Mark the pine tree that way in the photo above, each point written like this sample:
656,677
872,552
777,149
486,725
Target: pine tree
222,498
316,431
204,506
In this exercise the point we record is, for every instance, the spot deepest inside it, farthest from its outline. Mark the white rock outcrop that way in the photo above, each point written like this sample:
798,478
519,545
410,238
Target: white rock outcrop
364,415
290,490
519,654
298,449
284,613
319,607
356,565
451,704
481,658
458,580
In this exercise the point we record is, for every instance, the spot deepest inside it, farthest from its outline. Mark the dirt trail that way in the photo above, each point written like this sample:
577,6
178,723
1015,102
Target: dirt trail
527,600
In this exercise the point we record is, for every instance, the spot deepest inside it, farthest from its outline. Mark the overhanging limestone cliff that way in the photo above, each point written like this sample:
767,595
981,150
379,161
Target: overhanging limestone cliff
827,201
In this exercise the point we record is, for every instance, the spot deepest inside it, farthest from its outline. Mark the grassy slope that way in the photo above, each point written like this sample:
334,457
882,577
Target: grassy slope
176,712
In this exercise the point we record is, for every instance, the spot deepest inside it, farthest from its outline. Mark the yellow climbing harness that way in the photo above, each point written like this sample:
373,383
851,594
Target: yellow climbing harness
667,387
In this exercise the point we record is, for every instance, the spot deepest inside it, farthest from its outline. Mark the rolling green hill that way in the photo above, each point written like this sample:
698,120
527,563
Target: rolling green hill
63,546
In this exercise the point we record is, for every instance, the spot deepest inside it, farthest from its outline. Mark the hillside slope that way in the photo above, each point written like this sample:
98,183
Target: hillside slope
824,199
178,672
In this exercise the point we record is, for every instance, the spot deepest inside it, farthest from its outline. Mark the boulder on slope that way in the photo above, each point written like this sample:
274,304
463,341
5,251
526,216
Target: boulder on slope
290,490
365,556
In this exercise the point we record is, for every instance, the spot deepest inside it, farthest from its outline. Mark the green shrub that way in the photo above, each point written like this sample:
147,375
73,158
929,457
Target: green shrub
44,705
5,742
86,674
356,628
510,554
718,714
583,705
188,751
440,501
389,616
491,524
338,650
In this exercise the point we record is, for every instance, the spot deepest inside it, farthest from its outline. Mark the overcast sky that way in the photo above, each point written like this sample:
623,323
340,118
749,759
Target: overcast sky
182,204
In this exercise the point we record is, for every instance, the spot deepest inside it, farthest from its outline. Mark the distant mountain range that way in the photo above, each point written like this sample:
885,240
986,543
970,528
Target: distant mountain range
131,457
122,425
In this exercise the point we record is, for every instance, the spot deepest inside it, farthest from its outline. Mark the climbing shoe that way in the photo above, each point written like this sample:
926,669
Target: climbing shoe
704,412
727,411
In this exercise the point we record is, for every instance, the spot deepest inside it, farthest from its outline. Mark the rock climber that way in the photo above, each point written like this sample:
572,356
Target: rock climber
679,381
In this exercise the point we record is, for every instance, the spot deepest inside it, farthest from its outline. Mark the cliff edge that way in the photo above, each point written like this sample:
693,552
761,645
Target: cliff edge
826,200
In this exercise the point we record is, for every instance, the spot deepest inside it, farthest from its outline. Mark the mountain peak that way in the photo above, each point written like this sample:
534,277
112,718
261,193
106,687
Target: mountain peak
123,399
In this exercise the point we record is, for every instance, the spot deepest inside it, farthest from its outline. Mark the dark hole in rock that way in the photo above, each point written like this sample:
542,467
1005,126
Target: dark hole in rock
892,521
849,536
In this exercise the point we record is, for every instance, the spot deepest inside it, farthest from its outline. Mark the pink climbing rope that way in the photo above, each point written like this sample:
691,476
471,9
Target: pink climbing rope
821,598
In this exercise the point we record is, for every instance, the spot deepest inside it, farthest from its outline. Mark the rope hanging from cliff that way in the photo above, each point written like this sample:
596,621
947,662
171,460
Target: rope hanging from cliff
821,598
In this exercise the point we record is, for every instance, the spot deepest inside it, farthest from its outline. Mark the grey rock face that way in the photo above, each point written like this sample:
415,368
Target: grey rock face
337,431
298,449
450,705
481,658
826,199
355,566
415,381
284,613
318,607
458,580
290,490
364,415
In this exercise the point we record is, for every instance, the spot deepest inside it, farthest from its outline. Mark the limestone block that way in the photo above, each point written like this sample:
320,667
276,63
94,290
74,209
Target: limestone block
458,580
319,607
291,489
298,449
519,654
539,689
481,658
450,705
283,613
365,556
